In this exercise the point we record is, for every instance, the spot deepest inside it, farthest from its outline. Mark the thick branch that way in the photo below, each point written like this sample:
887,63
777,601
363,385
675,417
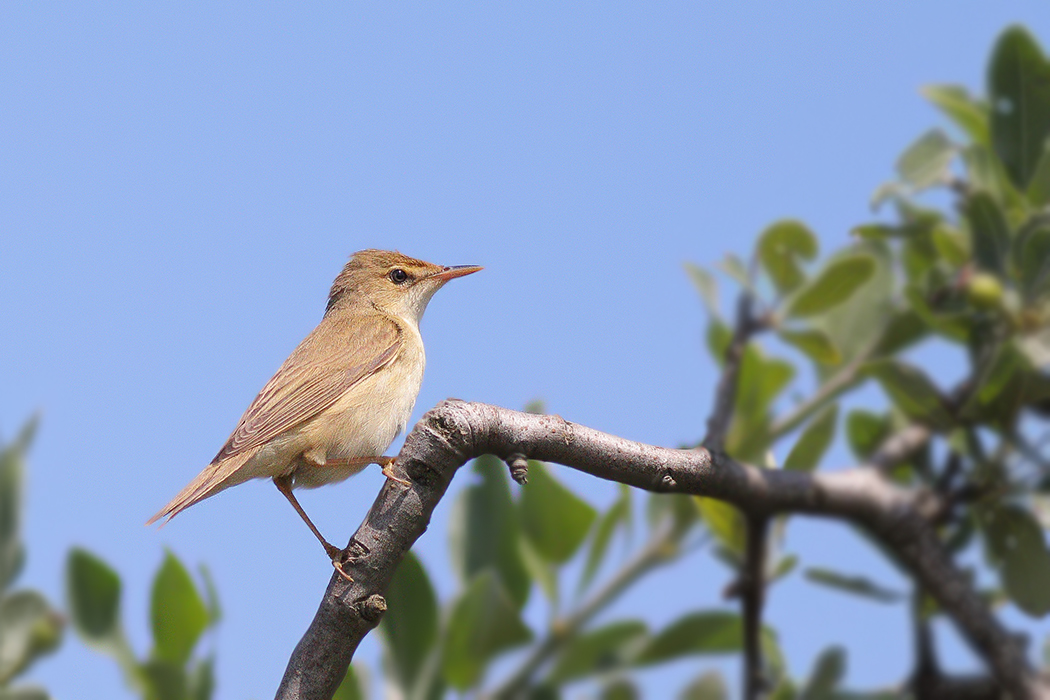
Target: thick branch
456,431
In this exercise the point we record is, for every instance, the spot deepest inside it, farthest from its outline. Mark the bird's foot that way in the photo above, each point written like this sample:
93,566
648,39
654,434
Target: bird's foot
338,564
339,557
388,471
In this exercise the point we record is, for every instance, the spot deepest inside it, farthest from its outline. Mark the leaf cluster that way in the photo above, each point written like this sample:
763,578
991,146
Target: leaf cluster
29,627
975,275
179,615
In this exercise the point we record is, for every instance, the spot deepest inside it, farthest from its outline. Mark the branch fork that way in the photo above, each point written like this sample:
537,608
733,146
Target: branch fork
456,431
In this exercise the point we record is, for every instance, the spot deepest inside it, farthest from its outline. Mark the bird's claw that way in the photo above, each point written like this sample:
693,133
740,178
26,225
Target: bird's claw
337,562
388,472
338,557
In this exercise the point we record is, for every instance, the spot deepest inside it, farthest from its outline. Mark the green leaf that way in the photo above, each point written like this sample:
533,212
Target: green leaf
352,687
1019,87
968,113
886,192
990,234
857,585
784,567
484,622
94,596
858,323
832,286
540,570
815,343
1004,366
709,685
760,381
554,519
705,283
951,245
781,247
29,628
718,339
1039,186
912,392
985,172
166,680
905,328
827,674
677,508
925,162
211,595
177,612
24,693
814,441
875,232
597,651
866,431
12,458
735,268
410,625
726,522
1035,263
616,516
201,681
704,632
955,326
785,690
485,531
619,689
540,692
1015,542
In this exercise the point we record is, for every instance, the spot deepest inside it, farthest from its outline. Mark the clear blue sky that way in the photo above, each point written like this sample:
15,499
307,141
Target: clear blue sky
180,182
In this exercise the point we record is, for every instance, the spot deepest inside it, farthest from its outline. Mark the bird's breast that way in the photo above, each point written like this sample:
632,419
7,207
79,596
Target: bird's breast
367,417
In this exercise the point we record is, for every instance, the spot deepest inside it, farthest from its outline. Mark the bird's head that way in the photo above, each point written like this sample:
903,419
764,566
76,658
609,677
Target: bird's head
393,282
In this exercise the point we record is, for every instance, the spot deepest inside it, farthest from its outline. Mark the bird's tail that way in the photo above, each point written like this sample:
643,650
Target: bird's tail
214,478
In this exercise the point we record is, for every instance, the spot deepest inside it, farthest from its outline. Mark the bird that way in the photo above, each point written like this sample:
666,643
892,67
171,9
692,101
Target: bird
342,396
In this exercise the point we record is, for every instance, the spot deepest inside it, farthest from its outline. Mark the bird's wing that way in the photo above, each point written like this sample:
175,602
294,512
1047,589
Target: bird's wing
333,358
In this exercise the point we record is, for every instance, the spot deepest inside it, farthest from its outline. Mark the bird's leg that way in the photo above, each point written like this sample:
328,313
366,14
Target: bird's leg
284,485
385,462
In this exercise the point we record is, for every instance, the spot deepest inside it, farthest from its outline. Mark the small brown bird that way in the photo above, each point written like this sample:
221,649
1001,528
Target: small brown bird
342,396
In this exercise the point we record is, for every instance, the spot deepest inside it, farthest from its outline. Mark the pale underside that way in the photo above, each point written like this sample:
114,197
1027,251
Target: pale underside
346,392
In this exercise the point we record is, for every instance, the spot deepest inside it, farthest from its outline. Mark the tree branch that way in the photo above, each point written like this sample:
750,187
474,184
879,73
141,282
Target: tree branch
725,396
455,431
752,598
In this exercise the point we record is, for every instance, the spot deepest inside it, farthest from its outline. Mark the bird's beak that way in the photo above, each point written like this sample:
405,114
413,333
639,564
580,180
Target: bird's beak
449,273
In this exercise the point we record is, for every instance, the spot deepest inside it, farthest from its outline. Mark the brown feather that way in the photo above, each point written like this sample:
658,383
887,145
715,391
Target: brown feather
310,381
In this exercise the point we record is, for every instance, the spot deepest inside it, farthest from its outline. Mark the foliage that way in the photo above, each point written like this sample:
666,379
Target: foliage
29,627
179,616
975,275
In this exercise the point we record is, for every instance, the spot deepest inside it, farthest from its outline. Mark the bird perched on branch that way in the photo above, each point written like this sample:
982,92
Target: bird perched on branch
342,396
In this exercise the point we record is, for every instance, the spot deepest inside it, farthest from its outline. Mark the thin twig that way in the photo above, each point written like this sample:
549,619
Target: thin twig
725,396
846,378
899,446
752,598
927,670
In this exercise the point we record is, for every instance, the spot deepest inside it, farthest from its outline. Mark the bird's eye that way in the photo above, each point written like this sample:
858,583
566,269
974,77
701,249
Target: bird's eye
398,276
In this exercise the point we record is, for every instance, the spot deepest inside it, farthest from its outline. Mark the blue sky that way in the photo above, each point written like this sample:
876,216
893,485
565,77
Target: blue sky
180,182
